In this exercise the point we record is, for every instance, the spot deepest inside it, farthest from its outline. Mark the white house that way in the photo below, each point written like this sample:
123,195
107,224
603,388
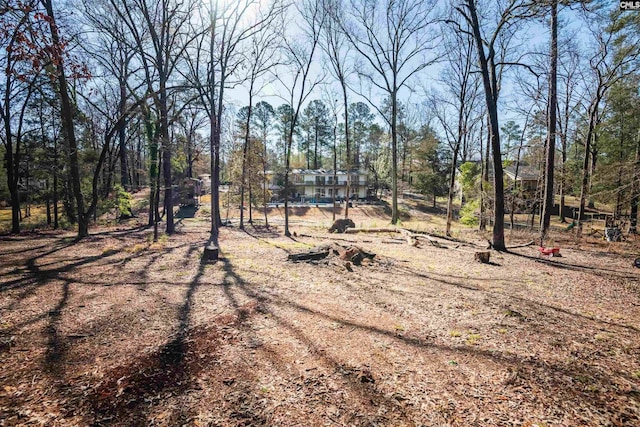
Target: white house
318,185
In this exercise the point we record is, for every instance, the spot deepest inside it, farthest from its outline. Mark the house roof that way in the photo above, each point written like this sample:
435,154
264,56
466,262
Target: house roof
525,173
325,172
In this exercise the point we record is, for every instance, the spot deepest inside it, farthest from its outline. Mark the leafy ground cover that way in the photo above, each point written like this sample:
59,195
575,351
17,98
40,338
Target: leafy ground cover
119,331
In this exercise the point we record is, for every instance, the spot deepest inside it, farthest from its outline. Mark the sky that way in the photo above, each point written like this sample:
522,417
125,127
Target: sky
532,36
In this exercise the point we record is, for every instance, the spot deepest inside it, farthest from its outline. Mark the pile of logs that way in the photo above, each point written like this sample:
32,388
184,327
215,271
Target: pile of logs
352,255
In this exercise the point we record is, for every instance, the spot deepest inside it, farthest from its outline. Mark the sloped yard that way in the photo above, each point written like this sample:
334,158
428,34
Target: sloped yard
117,331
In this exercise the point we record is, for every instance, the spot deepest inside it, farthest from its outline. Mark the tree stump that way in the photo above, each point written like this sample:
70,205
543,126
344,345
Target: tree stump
211,252
482,257
340,225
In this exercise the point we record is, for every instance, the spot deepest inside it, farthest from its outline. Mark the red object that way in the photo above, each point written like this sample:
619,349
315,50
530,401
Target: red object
549,251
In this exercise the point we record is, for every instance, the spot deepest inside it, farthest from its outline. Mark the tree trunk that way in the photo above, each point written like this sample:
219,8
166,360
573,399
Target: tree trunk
265,183
562,178
551,132
245,150
315,148
153,166
47,202
394,157
633,219
166,154
490,88
618,210
66,110
584,188
347,144
335,167
55,184
484,177
452,183
122,141
250,205
156,201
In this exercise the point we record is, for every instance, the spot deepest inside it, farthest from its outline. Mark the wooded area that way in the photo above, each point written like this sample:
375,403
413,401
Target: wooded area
108,97
319,212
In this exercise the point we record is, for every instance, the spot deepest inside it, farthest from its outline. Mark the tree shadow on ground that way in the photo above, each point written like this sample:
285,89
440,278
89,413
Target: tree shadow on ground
128,392
357,379
596,271
554,378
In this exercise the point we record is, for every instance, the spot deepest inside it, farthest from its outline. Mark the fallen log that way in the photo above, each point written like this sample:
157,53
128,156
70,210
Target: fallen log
372,230
410,236
308,256
442,237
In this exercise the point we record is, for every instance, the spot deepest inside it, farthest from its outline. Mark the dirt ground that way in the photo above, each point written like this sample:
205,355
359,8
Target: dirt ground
119,331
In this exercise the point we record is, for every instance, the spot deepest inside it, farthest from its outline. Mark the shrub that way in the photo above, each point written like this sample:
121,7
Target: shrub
468,213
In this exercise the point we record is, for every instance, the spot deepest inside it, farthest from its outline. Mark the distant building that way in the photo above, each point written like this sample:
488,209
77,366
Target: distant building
190,191
526,179
205,186
317,186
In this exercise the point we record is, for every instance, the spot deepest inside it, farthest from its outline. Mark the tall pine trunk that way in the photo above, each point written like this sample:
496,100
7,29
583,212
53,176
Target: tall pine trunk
547,204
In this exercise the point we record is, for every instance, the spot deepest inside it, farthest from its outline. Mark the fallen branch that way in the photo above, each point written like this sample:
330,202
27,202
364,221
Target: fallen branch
409,235
522,245
438,236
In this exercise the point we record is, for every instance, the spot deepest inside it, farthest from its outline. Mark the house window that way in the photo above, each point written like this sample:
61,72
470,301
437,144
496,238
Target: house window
331,192
322,193
320,180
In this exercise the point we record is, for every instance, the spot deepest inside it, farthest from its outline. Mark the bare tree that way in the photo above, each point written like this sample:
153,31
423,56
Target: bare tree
260,58
190,122
336,48
114,52
459,101
393,39
263,116
17,87
508,14
160,32
550,146
68,128
300,81
213,67
569,64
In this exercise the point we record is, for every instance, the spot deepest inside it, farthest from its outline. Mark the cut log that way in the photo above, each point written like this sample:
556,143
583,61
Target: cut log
309,256
372,230
482,257
341,225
